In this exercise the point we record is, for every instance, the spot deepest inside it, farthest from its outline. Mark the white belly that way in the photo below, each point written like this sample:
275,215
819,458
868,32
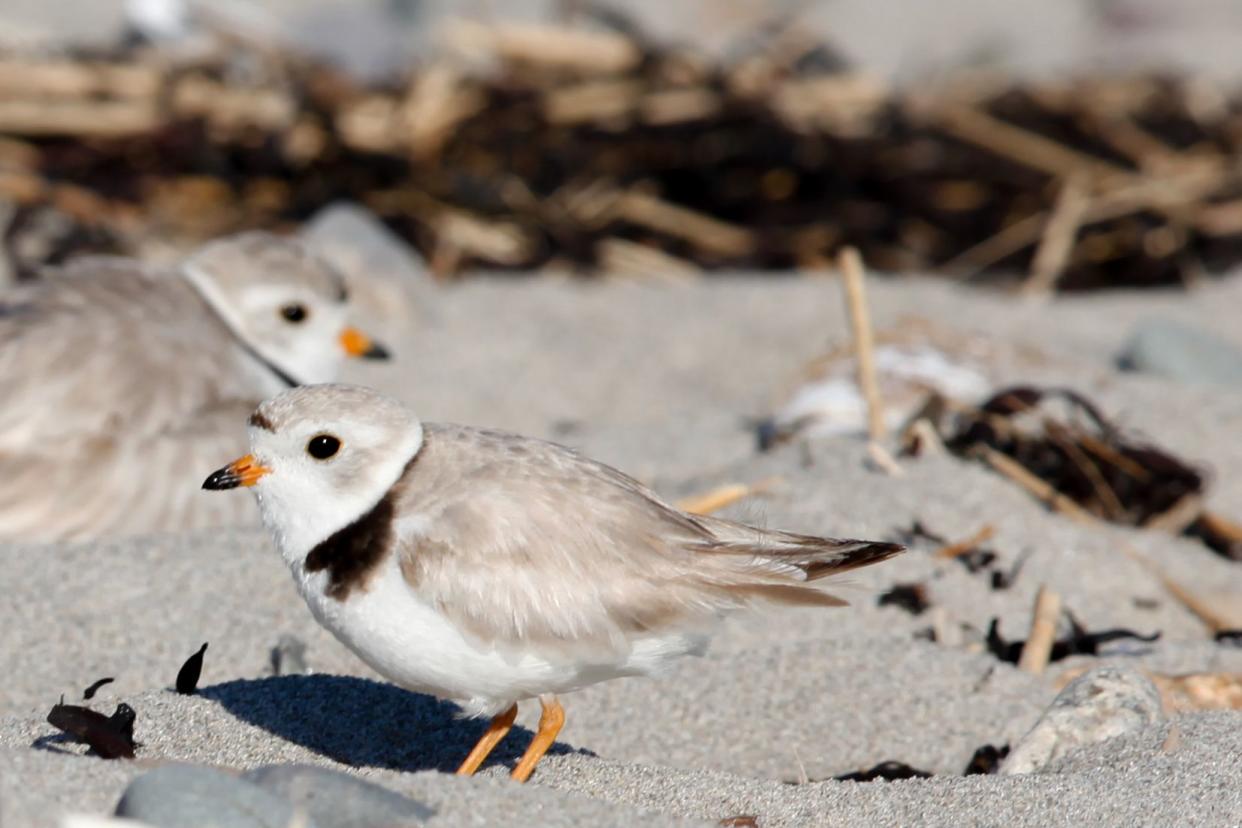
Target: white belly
408,642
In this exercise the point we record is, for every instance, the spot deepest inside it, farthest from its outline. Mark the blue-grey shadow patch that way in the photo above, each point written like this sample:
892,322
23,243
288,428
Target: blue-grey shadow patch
53,741
364,723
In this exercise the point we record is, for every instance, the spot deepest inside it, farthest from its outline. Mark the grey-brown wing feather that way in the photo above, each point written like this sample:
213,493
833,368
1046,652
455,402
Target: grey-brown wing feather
106,345
522,541
104,370
116,486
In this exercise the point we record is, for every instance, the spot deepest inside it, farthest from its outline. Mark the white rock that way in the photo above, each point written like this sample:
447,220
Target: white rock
1100,705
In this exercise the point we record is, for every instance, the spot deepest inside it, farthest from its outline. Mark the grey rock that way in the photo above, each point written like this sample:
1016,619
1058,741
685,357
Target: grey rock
1165,348
191,796
338,800
1102,704
388,281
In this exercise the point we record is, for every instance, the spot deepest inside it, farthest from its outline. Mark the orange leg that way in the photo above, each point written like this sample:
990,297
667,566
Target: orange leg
487,742
550,722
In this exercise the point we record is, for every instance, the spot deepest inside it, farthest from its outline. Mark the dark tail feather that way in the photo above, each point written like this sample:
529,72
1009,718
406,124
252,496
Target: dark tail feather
816,557
844,555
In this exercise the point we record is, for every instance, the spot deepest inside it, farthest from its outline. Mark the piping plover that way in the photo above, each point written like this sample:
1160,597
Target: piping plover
107,366
488,568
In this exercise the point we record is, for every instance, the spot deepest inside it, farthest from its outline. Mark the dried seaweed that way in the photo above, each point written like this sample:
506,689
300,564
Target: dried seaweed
886,771
987,759
188,675
1059,445
910,597
1004,579
111,737
1078,642
89,692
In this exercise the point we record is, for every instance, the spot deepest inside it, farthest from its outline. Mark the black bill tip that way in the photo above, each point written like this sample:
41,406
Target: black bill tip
376,351
224,478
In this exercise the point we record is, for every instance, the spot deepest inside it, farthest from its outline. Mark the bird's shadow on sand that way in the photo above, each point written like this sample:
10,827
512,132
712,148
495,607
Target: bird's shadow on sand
365,723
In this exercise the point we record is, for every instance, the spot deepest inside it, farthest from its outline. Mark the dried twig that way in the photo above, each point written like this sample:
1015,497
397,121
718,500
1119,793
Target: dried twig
1038,487
1104,493
1211,619
1222,526
547,47
883,458
1043,632
959,548
922,439
1022,146
1177,517
1059,233
722,496
853,276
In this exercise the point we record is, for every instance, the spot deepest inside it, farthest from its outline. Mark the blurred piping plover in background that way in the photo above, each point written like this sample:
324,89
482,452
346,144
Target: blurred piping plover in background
118,382
488,568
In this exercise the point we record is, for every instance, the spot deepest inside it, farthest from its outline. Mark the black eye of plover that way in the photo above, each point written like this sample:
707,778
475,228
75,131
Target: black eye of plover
294,313
323,446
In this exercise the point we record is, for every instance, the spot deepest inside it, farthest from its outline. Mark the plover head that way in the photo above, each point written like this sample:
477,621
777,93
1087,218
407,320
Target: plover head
285,305
321,457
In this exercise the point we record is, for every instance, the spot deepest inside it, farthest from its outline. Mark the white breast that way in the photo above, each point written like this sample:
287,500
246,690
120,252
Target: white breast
408,642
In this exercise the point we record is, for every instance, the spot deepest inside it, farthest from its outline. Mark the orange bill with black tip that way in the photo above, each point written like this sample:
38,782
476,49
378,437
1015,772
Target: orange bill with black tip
244,471
358,344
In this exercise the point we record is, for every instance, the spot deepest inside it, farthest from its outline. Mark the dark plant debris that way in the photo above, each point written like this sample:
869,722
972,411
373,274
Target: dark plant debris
89,693
887,771
187,676
742,821
986,760
1004,579
111,737
972,554
1222,536
1063,439
1230,638
633,155
1058,446
910,597
1078,642
917,532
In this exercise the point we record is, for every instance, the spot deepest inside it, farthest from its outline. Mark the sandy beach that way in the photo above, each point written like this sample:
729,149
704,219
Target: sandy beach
666,381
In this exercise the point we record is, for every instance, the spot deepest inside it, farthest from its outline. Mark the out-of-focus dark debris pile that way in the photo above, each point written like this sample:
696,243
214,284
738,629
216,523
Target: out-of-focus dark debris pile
1058,445
525,147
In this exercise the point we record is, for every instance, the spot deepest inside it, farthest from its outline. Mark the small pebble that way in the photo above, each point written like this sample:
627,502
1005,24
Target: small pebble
1169,349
